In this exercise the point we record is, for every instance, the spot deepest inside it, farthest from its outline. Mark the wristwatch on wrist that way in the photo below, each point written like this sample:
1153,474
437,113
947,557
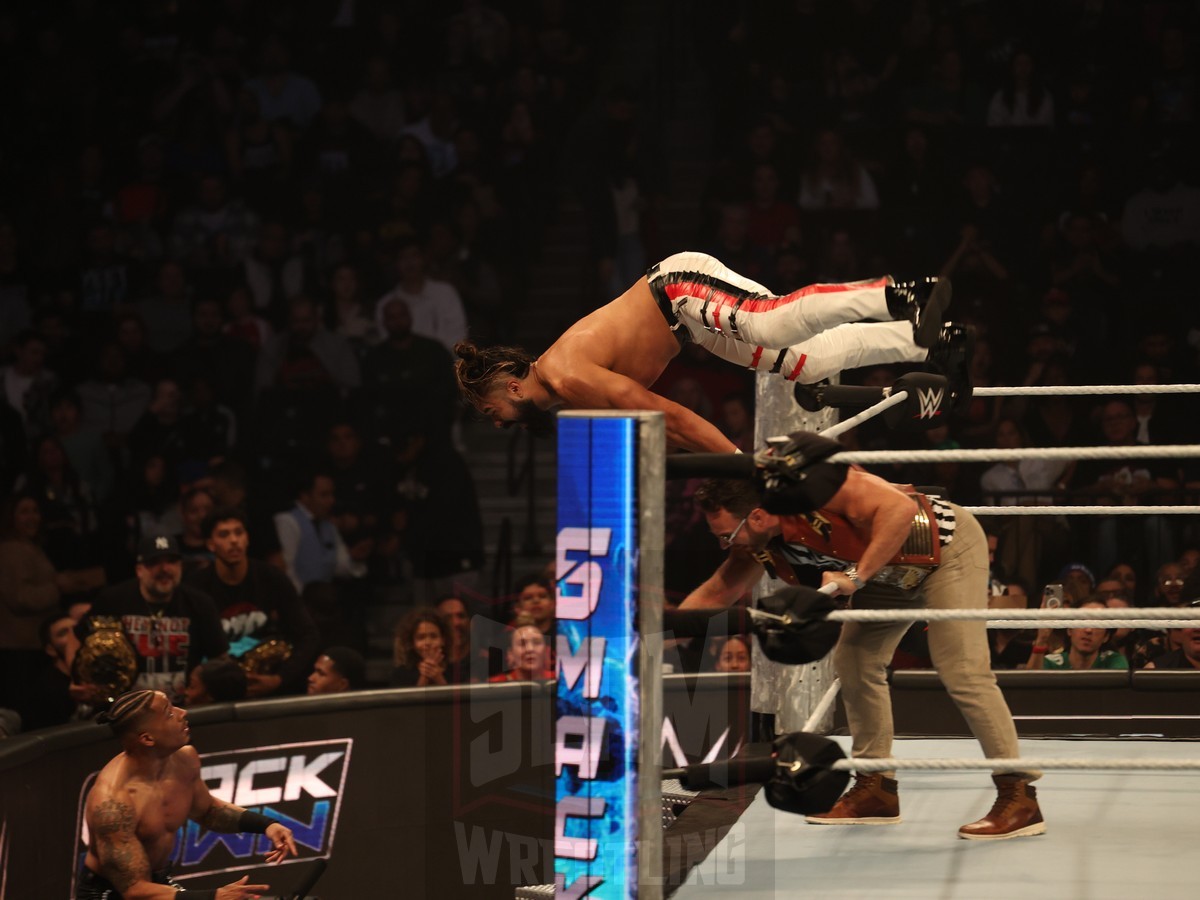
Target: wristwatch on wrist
852,574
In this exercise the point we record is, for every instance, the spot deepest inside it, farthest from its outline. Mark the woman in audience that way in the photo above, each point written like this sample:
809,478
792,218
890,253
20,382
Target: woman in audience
528,654
419,650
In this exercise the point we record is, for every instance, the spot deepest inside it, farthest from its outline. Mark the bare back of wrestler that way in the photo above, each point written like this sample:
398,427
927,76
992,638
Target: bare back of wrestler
606,360
143,796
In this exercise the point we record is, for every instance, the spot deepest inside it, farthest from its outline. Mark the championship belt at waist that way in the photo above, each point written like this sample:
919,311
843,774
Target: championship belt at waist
907,578
106,658
266,658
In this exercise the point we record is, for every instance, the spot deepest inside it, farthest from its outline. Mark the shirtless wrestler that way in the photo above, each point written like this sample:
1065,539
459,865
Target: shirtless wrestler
611,357
142,797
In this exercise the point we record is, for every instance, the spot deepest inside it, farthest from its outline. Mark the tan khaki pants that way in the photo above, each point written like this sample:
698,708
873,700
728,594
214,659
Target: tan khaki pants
959,651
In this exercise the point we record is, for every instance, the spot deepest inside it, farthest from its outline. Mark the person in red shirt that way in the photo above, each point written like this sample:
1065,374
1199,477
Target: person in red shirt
528,654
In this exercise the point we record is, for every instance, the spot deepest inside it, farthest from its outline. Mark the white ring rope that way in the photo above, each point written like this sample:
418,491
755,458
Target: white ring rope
858,764
1083,510
1155,624
870,412
1156,614
1139,451
1071,390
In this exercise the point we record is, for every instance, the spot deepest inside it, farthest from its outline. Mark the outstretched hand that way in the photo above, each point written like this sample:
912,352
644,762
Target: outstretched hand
240,890
285,844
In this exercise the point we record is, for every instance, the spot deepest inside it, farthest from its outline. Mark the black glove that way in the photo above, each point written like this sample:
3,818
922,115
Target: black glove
809,637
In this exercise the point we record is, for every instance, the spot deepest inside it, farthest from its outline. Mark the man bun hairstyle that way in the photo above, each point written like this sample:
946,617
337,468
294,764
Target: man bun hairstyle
479,368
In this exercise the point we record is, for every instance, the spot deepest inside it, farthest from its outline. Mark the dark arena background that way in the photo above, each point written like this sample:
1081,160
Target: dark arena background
239,241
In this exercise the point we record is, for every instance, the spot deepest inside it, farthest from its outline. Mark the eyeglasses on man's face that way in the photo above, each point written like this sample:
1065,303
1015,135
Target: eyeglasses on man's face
727,539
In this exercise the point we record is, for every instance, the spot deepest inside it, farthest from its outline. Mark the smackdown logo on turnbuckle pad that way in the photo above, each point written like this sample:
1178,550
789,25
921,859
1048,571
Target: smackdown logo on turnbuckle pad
300,785
597,721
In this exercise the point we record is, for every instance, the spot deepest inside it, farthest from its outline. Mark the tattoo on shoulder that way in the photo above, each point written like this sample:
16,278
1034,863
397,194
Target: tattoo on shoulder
122,857
113,817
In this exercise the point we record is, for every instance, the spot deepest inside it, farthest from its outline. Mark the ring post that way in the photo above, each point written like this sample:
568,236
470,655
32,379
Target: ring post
608,729
790,693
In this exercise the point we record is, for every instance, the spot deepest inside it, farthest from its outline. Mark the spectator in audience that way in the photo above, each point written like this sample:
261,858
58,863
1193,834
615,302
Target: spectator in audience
244,325
84,446
1086,648
833,179
410,380
1126,574
27,382
360,485
113,400
1187,656
1168,585
258,153
157,431
172,627
737,421
1126,482
167,313
55,697
535,602
283,95
1078,583
14,444
313,549
419,650
226,363
1023,100
379,105
1010,647
1139,645
453,611
436,309
528,654
734,655
306,357
217,232
207,429
67,508
258,605
338,670
216,681
30,590
1028,544
436,132
348,315
273,273
194,508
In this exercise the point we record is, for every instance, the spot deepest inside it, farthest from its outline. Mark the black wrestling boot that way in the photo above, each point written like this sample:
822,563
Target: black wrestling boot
951,356
811,396
923,302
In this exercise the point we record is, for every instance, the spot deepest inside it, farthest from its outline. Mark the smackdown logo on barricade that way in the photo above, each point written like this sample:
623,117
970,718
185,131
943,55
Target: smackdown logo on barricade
301,785
596,731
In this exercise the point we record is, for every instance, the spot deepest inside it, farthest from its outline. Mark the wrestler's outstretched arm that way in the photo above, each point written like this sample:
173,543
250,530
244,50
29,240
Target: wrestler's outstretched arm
215,814
737,574
595,387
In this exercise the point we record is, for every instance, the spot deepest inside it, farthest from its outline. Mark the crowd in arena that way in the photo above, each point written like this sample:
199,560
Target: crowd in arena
238,242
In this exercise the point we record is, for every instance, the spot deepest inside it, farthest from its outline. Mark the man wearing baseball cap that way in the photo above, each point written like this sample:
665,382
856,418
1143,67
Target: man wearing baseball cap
172,627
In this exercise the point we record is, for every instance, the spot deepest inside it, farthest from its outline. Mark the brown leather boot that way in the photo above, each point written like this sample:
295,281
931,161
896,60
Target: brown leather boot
1014,814
874,800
